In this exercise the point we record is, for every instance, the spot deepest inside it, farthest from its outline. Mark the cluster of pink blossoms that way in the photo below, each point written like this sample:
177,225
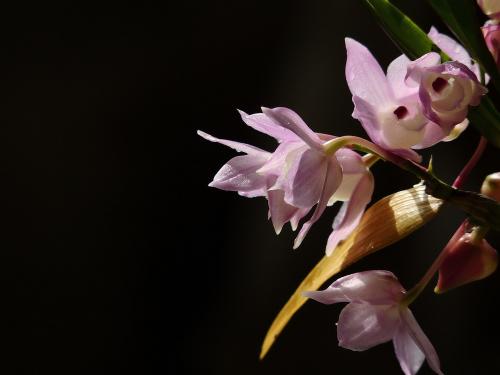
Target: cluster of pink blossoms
412,106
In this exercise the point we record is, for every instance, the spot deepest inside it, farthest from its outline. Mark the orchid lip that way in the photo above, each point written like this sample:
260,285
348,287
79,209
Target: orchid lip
401,112
439,84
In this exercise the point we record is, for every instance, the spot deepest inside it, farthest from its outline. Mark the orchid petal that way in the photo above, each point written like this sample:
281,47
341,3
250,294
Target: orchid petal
239,174
416,67
453,49
332,180
304,180
365,77
367,115
376,287
353,210
421,340
408,353
456,131
362,325
264,124
433,134
299,214
290,120
396,76
238,146
278,160
350,161
280,211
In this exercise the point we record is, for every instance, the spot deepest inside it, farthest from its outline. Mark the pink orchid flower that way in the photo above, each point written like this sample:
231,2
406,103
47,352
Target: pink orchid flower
375,314
298,175
403,109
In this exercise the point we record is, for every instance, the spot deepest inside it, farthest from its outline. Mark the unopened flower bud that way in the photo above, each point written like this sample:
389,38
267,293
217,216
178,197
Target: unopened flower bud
491,186
490,7
491,33
467,260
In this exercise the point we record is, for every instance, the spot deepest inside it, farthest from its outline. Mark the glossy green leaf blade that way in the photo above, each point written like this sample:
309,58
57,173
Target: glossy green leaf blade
486,118
410,38
461,17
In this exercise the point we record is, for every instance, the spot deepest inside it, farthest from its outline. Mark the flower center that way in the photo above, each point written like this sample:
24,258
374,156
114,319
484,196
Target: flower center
401,112
439,84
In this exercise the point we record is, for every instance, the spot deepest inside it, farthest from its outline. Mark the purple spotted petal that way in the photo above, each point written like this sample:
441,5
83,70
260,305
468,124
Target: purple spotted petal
351,212
290,120
367,115
332,180
421,340
365,77
408,353
376,287
264,124
362,325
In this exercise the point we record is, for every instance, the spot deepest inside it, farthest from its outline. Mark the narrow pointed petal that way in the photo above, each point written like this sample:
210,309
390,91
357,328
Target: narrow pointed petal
365,77
264,124
238,146
239,174
421,340
375,287
280,211
290,120
362,325
299,214
408,353
349,217
331,182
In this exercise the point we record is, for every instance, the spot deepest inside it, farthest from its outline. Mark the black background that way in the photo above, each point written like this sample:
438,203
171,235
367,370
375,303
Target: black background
117,258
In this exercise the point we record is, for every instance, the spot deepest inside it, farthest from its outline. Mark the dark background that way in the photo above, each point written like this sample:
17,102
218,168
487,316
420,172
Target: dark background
117,258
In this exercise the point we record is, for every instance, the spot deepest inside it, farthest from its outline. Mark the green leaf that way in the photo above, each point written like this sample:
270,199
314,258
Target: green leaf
461,17
486,118
414,42
410,38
